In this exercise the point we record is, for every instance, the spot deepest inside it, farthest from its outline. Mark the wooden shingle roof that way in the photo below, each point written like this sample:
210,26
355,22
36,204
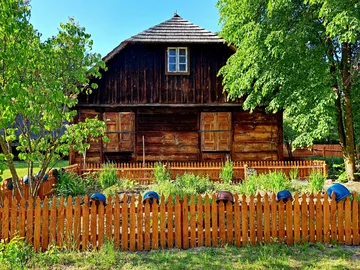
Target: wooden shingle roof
174,30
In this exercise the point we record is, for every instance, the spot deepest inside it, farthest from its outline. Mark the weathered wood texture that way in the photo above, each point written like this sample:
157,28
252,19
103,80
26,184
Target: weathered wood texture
137,76
186,134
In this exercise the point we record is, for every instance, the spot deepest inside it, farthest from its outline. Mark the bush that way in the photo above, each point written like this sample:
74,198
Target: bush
273,181
316,181
15,254
122,185
108,176
161,173
293,174
69,184
226,174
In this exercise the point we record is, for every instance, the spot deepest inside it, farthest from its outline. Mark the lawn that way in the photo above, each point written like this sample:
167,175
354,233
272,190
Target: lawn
21,168
276,256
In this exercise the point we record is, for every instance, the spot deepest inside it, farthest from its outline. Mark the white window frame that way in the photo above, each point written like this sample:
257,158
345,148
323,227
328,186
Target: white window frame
177,62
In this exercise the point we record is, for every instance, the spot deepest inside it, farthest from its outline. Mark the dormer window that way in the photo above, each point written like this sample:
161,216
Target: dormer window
177,60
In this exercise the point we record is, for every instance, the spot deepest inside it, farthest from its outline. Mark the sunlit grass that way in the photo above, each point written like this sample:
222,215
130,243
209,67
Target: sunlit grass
21,168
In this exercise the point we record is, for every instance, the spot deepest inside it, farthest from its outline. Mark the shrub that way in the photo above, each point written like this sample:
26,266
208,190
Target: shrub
15,254
316,181
161,173
69,184
273,181
108,176
123,184
293,174
226,174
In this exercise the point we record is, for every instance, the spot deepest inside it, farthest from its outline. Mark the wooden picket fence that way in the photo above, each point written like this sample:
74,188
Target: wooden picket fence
144,173
174,223
47,188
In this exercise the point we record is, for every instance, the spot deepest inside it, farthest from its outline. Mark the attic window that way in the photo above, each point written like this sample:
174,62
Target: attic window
177,60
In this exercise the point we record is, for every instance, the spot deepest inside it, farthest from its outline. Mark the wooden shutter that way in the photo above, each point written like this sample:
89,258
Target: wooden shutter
120,130
127,125
112,129
220,138
223,138
208,122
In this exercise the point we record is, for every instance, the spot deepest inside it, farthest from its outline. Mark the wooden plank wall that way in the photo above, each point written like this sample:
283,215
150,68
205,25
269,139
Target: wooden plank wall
173,134
137,76
181,223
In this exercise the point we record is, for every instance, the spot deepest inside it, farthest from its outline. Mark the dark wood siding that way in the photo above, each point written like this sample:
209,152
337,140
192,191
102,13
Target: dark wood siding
174,134
136,75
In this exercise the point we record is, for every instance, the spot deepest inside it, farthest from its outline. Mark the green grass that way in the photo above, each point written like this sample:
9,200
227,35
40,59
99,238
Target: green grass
21,168
268,256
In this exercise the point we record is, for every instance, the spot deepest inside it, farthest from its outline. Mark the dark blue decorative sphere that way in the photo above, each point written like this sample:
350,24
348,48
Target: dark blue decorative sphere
151,195
283,195
341,192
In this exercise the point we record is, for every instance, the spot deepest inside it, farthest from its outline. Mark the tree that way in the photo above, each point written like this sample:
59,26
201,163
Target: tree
300,56
39,85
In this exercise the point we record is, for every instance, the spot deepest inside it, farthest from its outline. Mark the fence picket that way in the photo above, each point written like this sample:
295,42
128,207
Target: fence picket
69,222
109,218
22,217
100,223
237,220
274,211
170,223
311,219
86,223
347,221
13,217
296,219
229,223
319,219
125,224
185,223
132,241
333,209
147,225
53,214
77,222
340,225
207,222
355,219
214,222
178,217
244,221
326,221
200,222
162,222
266,219
45,225
93,225
155,225
289,223
30,221
117,222
192,222
259,219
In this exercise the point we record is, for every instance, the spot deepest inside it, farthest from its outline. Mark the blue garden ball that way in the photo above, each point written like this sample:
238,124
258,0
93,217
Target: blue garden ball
341,192
283,195
10,186
45,178
98,197
151,195
26,180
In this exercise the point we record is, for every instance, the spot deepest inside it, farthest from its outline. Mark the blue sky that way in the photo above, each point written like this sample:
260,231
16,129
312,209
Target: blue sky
112,21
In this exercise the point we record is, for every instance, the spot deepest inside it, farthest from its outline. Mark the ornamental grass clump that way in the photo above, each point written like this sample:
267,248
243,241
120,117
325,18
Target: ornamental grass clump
108,176
316,181
226,174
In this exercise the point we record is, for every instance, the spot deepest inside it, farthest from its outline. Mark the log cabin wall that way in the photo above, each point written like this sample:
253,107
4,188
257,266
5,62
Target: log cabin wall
137,76
175,134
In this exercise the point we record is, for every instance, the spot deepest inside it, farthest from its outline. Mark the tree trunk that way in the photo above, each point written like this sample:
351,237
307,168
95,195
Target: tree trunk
6,148
349,149
289,150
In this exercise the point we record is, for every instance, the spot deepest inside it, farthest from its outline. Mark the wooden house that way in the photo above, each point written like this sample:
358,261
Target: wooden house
162,100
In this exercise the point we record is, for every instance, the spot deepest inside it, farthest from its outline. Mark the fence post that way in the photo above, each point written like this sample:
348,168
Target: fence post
245,168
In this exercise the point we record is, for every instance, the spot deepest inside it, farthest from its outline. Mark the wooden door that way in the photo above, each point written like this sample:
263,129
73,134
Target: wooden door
120,130
215,131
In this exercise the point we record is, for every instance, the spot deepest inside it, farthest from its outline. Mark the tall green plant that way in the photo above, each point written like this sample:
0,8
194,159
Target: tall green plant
316,181
226,174
108,176
69,184
161,173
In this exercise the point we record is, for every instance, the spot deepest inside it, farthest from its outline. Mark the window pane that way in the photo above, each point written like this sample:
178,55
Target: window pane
182,67
182,51
182,59
172,52
172,60
172,67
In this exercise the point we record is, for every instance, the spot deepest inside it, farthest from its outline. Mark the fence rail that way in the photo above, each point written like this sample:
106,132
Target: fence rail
144,173
183,224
